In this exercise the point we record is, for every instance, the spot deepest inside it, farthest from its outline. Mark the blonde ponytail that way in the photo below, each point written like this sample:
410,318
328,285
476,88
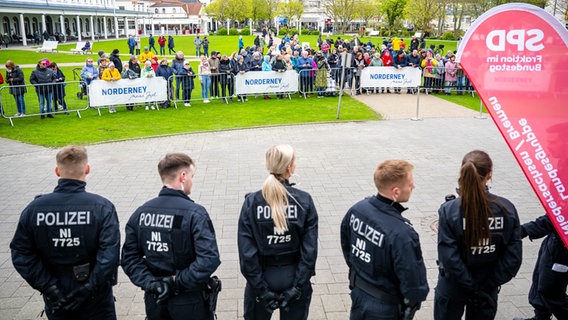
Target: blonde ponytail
278,159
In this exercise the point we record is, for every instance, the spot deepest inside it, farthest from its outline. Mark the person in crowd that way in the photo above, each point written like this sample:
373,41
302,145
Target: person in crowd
399,62
16,80
241,68
278,272
42,78
148,72
225,76
461,80
59,88
205,44
358,64
166,72
440,72
414,61
101,55
162,43
197,42
414,43
547,293
188,83
111,74
322,73
479,245
115,58
86,47
451,75
387,275
387,62
171,45
146,55
103,65
45,35
7,40
172,261
134,65
214,67
266,66
73,262
152,45
129,73
377,62
131,42
241,44
205,78
332,61
304,65
233,62
37,37
137,46
155,63
178,64
247,57
279,66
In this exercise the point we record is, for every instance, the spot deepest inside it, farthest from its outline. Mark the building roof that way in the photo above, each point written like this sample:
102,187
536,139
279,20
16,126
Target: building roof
191,7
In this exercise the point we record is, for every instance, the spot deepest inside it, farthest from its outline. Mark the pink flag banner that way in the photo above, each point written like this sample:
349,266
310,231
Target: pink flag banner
516,56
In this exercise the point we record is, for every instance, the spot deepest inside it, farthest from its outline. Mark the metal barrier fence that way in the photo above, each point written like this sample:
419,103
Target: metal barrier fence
323,82
44,100
219,86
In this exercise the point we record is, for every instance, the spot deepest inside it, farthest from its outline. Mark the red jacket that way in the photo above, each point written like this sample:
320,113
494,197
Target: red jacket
162,41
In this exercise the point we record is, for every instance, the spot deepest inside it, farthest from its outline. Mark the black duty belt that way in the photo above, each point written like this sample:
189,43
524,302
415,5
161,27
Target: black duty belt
280,260
371,289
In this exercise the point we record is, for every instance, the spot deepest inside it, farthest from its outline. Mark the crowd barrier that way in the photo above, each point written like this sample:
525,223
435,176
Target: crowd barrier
181,89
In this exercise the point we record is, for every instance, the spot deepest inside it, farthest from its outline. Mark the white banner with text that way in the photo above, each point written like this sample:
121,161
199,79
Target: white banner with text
109,93
373,77
266,82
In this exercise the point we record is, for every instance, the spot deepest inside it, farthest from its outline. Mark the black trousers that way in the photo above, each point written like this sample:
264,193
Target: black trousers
184,306
101,307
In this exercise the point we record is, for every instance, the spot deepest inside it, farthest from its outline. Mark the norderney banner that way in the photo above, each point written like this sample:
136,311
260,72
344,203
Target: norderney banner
374,77
108,93
517,59
266,82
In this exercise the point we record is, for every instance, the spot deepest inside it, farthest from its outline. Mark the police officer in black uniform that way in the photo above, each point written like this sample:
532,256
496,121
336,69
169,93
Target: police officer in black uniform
387,275
170,249
479,245
277,240
67,244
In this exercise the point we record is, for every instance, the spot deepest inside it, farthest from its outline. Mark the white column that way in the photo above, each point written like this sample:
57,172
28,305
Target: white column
152,26
92,29
126,30
79,35
299,27
204,26
116,27
144,25
43,25
22,30
250,26
276,22
105,27
62,22
136,26
228,25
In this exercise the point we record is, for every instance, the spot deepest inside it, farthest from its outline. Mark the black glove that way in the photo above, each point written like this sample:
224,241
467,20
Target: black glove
481,300
524,233
78,296
161,289
289,296
270,300
55,297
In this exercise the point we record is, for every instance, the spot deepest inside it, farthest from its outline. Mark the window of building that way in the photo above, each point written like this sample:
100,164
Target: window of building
163,10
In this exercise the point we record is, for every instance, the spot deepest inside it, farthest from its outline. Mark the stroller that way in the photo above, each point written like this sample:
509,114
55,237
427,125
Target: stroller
82,84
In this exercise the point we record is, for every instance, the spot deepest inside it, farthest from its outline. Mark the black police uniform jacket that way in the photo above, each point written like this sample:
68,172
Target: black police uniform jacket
170,235
487,266
541,227
257,239
69,227
383,249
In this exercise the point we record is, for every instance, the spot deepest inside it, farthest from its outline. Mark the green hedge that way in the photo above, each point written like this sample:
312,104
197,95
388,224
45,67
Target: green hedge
282,31
245,31
233,32
222,31
449,35
315,33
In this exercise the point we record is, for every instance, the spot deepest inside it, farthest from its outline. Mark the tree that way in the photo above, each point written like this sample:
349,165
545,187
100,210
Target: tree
393,10
342,12
421,12
367,10
290,10
229,10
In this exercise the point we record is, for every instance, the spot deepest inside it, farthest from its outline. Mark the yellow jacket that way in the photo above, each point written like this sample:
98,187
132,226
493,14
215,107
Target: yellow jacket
108,74
146,56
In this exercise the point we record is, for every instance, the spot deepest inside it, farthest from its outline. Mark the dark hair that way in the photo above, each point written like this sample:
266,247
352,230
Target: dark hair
476,166
172,163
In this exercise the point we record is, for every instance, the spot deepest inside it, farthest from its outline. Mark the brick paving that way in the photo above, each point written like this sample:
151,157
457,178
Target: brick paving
335,164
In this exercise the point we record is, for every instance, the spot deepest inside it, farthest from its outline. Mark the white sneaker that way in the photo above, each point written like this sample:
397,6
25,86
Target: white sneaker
17,115
206,101
187,104
147,108
153,108
59,107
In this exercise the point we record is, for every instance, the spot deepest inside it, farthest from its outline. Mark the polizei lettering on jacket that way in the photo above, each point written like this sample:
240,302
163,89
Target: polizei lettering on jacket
264,212
366,231
127,90
157,220
67,218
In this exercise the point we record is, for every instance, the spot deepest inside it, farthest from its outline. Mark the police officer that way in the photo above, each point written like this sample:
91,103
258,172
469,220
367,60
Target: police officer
67,244
277,240
479,245
387,275
170,249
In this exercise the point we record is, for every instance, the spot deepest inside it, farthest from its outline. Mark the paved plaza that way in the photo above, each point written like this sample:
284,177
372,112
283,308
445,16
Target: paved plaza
335,165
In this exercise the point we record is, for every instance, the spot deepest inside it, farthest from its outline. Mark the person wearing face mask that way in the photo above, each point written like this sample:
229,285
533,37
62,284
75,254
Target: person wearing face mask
277,241
387,276
170,249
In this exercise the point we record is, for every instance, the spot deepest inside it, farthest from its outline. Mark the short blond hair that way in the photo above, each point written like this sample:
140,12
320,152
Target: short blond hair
72,160
390,173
